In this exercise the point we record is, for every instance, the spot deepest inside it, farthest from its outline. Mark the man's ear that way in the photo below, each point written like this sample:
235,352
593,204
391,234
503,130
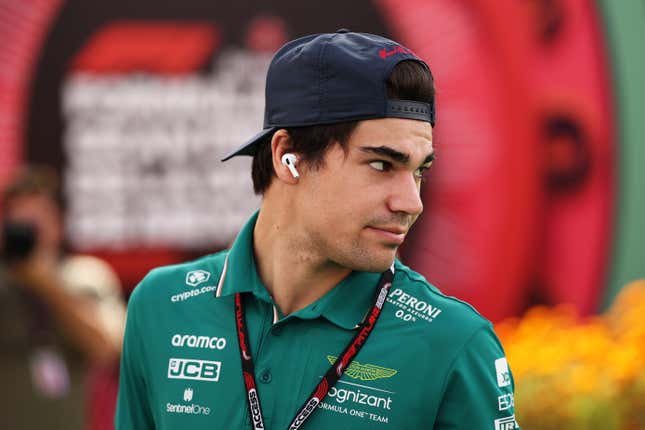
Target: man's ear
281,144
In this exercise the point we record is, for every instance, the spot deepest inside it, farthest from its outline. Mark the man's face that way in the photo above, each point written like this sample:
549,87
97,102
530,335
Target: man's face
358,207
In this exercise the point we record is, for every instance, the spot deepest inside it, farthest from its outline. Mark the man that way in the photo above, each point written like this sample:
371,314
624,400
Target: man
59,314
309,321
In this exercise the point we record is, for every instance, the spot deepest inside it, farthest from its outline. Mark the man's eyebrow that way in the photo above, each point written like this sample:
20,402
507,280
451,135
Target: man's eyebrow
395,155
388,152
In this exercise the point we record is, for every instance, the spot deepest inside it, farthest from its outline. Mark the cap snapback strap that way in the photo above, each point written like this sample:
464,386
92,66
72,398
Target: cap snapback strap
409,109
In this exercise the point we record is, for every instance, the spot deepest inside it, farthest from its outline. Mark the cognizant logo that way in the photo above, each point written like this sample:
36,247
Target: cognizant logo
192,293
342,395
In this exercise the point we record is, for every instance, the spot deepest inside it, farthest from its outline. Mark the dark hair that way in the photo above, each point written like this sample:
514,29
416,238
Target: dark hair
33,180
409,80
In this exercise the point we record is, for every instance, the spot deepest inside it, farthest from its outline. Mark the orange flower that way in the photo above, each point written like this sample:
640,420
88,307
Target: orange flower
579,373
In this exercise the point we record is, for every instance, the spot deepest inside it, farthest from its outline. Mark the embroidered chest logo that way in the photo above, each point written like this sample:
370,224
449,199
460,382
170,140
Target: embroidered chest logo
506,423
411,308
196,277
365,372
188,394
503,373
187,407
199,370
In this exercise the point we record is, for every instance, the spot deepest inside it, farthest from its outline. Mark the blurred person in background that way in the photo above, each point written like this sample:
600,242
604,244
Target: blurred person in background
60,314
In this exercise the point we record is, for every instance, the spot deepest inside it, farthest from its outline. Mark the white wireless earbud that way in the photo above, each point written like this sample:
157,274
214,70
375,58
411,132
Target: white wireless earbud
289,160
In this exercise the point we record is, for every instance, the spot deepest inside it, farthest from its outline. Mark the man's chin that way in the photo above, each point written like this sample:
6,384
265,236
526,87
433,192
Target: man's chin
375,263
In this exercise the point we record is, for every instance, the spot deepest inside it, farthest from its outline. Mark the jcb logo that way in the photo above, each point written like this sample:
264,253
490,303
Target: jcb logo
199,370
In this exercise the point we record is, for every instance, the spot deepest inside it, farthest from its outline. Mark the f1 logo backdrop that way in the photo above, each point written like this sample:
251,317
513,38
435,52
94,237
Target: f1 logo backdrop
135,103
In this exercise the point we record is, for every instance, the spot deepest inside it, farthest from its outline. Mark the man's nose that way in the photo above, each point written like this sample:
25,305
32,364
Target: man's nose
406,196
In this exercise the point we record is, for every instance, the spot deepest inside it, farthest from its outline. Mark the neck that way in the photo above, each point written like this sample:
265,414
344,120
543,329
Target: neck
294,273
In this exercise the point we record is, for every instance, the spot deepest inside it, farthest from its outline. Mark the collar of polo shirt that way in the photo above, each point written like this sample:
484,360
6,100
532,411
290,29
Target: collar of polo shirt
345,305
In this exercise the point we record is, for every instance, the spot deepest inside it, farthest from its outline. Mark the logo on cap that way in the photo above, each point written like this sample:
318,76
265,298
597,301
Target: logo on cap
384,53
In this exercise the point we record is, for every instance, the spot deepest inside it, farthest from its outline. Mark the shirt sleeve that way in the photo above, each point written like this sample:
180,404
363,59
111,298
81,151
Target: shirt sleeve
133,405
479,388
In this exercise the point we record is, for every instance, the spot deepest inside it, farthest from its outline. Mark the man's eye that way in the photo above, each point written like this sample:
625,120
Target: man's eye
380,165
420,171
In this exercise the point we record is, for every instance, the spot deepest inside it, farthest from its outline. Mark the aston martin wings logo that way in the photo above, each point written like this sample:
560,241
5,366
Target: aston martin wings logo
365,372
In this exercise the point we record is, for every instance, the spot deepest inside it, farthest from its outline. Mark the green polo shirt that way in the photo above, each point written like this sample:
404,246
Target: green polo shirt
432,362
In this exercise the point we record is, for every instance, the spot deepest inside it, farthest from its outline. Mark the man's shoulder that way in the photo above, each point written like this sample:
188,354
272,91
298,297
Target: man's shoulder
192,272
178,282
415,296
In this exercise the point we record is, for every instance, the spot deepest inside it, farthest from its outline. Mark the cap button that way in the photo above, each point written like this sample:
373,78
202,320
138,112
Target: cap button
343,30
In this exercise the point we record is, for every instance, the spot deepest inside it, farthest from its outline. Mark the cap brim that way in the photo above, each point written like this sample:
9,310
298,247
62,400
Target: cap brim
250,147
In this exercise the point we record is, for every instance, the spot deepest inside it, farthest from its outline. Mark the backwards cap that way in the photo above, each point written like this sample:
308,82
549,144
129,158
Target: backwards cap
333,77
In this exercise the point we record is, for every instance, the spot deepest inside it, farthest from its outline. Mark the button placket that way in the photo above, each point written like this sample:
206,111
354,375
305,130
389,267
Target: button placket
265,376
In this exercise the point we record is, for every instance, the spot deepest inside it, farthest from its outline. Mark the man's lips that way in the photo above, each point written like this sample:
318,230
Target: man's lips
393,229
393,234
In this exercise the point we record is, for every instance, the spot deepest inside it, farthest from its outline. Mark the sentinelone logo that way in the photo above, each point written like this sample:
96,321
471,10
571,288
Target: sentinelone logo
191,409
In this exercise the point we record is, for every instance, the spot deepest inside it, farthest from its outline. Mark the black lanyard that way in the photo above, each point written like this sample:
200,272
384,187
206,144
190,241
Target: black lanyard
333,374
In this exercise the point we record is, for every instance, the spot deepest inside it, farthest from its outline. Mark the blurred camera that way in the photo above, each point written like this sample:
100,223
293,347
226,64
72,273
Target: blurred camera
18,240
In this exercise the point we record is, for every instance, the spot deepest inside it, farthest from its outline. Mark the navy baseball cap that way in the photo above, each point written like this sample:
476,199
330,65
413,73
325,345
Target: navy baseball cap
333,77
